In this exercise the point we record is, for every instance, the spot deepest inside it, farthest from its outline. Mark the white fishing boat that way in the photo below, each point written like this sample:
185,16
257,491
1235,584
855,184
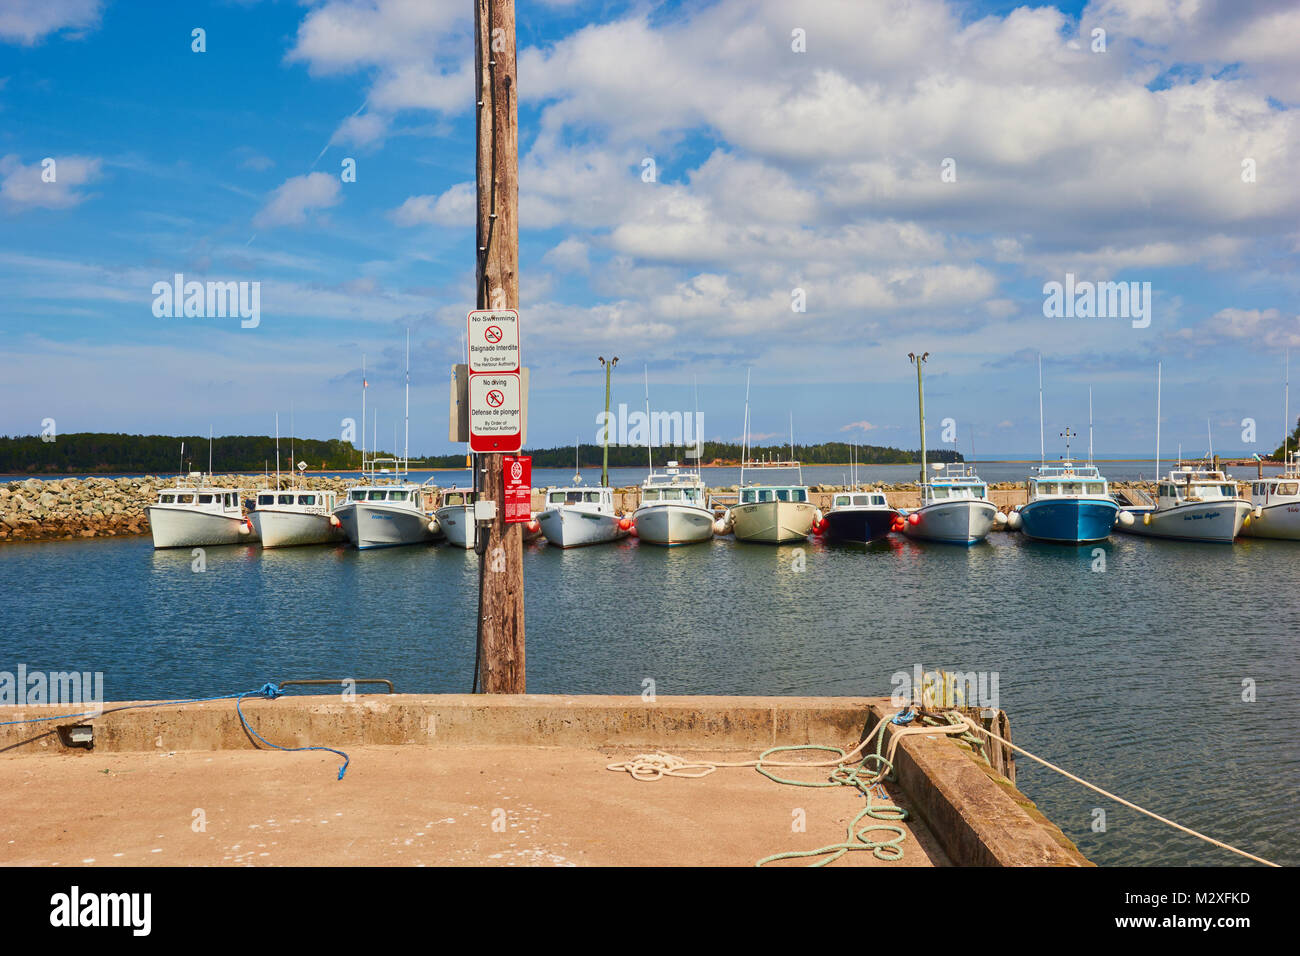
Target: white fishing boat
768,512
954,507
577,516
455,516
1275,505
198,514
1192,504
773,513
381,513
954,503
285,519
674,508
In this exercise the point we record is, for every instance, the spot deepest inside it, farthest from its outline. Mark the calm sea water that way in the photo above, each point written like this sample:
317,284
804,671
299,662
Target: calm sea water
1131,677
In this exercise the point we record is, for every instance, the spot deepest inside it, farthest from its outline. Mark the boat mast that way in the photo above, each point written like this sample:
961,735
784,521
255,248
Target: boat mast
649,451
209,451
406,445
1090,425
277,451
364,385
1042,445
1286,410
604,463
918,361
293,465
1158,371
744,442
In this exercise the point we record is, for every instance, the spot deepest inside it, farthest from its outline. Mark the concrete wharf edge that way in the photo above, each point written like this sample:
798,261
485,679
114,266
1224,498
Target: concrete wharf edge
978,816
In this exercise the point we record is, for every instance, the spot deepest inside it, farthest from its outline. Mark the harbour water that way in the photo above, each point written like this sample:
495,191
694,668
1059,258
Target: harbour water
1132,677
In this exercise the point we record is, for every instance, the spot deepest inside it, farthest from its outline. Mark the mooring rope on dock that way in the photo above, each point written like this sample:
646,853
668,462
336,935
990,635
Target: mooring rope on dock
1120,800
268,691
653,766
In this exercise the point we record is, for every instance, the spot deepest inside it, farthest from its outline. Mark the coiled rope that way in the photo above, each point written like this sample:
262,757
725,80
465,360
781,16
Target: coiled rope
268,691
866,776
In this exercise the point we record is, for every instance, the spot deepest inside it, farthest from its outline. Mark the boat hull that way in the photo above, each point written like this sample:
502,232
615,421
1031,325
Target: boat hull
1069,520
955,522
671,525
773,522
1211,521
1280,522
376,525
191,528
457,523
575,528
287,529
859,525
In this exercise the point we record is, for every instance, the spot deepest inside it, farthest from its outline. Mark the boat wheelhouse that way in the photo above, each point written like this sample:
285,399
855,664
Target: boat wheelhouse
1067,503
198,515
954,507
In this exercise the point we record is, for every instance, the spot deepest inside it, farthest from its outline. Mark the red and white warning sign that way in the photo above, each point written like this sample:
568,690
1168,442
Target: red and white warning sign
518,472
495,414
493,341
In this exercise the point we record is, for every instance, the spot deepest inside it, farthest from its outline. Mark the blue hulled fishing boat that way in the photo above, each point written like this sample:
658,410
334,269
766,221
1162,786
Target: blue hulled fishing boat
1068,503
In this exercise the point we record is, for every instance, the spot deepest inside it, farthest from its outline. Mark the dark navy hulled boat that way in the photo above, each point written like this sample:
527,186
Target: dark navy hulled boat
859,517
1068,503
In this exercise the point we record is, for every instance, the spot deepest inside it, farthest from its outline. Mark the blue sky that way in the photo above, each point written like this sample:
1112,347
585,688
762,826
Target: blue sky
776,170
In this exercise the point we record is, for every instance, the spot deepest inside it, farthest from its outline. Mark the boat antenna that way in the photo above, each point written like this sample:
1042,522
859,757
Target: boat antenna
649,450
1210,435
180,466
604,461
277,451
1066,435
918,361
1158,375
209,451
577,474
1042,446
699,431
293,466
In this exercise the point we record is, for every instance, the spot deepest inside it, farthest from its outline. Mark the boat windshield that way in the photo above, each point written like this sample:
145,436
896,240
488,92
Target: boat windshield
376,495
841,501
399,495
306,499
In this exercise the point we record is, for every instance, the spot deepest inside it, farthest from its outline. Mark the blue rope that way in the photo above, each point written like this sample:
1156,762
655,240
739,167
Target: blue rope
904,716
267,691
271,691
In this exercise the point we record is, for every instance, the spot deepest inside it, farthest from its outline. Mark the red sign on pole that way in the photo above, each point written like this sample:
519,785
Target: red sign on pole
518,473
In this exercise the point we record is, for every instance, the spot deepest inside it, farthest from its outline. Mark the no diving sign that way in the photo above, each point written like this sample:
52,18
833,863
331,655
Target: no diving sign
493,341
495,415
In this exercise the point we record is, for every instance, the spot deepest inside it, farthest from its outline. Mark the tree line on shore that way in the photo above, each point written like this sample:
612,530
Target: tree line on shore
115,453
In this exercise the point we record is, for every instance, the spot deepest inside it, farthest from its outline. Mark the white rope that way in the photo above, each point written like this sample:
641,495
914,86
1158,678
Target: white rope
1120,800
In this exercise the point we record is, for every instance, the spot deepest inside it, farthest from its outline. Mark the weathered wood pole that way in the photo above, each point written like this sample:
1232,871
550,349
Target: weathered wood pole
501,570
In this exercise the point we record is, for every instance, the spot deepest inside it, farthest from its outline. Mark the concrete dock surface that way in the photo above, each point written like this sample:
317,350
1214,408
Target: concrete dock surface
404,806
488,780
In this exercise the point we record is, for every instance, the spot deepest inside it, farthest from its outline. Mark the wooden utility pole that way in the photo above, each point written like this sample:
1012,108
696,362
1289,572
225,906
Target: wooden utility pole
501,557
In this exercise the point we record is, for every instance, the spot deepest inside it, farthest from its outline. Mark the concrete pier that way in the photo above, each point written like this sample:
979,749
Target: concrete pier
465,779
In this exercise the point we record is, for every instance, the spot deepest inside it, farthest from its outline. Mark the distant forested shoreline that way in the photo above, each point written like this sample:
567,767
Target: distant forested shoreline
115,453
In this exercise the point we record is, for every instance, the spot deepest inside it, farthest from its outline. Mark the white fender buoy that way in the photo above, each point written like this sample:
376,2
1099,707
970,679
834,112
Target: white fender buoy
434,525
246,527
1015,521
335,522
999,519
1126,518
719,526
